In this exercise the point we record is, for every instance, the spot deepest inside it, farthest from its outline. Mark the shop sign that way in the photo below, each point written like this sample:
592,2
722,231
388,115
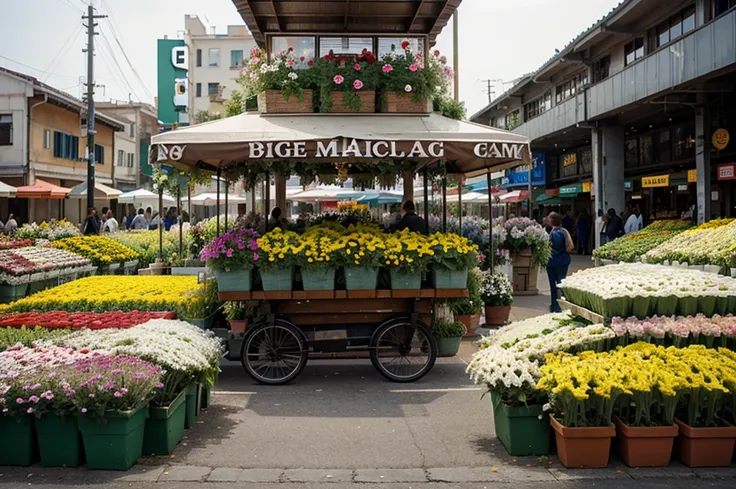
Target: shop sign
692,176
653,182
587,187
570,159
628,185
570,190
727,172
720,139
682,188
552,192
519,176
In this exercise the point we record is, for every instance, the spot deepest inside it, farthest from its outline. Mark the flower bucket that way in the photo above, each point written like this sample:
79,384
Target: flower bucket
277,279
471,322
405,281
115,442
722,305
402,103
273,102
447,347
707,305
17,441
667,306
583,447
59,441
367,102
205,400
238,326
450,279
497,315
687,306
358,278
319,279
644,446
165,427
192,410
237,281
705,447
641,306
523,430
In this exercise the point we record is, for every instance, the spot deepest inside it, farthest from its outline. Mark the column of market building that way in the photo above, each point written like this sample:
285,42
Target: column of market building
608,169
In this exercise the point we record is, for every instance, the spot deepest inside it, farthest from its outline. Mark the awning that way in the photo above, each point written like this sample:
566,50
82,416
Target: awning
7,191
469,198
143,197
514,197
210,198
472,149
42,190
373,196
319,194
571,191
545,199
102,191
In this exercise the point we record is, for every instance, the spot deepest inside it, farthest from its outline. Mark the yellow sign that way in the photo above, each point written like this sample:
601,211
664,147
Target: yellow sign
720,139
658,181
692,176
570,159
587,186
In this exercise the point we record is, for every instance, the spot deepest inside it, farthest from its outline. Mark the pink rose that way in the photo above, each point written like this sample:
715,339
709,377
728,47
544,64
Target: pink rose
413,67
338,79
357,84
387,68
357,66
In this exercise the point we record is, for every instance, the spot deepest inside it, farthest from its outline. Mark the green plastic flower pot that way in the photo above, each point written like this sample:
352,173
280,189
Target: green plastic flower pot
405,281
447,347
667,306
687,306
237,281
319,279
165,427
206,396
114,442
277,279
17,441
9,293
450,279
707,305
59,441
722,305
357,278
192,395
523,430
640,307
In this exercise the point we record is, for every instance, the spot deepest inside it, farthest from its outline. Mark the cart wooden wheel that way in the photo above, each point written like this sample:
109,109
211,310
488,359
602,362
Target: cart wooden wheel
274,354
403,352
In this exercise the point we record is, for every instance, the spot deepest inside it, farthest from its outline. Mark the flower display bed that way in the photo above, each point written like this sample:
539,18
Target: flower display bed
78,320
710,243
101,250
631,247
38,264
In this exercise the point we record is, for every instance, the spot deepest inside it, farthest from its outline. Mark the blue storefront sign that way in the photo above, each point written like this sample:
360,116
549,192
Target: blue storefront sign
519,176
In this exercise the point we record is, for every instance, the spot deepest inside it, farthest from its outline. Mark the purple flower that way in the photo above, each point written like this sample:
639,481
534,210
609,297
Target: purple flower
19,400
229,253
118,394
159,385
255,257
253,245
29,410
84,410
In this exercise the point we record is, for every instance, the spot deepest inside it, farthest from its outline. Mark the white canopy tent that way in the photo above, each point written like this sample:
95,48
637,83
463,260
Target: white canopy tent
210,198
6,191
319,194
144,198
102,192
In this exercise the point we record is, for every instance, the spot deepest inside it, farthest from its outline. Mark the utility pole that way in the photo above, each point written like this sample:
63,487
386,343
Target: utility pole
90,18
491,93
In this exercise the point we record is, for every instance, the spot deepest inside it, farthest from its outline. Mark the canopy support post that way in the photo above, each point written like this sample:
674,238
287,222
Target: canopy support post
280,184
490,222
529,210
160,223
460,207
444,203
189,199
426,202
267,198
217,212
181,222
227,191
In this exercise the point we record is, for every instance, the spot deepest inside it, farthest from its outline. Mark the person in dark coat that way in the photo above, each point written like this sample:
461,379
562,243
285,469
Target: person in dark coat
614,225
410,220
91,224
583,231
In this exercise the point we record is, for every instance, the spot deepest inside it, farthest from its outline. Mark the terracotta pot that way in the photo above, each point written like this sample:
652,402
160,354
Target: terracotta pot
705,447
402,103
497,315
367,102
273,102
583,447
644,446
471,322
238,326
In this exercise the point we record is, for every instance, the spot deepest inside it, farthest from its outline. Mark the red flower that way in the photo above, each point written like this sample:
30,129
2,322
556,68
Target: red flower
404,44
310,63
302,58
436,52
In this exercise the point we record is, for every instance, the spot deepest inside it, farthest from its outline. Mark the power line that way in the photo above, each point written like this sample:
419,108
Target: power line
106,43
33,68
69,4
64,47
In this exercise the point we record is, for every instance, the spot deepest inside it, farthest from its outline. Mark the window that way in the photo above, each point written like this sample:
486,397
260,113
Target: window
601,69
586,160
569,164
213,88
393,45
646,151
676,26
121,157
345,45
131,158
538,106
512,120
634,50
571,87
198,90
132,130
66,146
46,139
301,46
722,6
6,130
683,143
631,152
236,58
99,154
199,58
663,149
213,57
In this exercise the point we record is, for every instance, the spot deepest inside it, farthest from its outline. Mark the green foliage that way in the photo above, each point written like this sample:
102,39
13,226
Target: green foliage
347,74
239,311
202,116
27,336
447,329
451,109
405,73
236,104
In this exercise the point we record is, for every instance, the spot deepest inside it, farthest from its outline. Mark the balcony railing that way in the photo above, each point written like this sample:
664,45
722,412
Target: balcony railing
559,117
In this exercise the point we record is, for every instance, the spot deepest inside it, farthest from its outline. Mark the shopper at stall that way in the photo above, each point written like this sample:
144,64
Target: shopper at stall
410,220
91,224
170,218
153,225
275,220
130,216
559,260
139,221
600,226
583,230
635,222
111,225
614,226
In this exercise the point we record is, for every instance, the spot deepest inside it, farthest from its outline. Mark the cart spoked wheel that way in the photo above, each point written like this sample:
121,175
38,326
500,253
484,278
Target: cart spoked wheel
274,353
403,352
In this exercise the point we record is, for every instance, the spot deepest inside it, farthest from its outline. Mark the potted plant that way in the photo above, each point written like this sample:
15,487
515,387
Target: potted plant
528,243
276,259
467,309
406,256
279,85
347,83
232,256
314,256
497,297
360,253
167,412
238,314
449,335
453,256
16,424
406,84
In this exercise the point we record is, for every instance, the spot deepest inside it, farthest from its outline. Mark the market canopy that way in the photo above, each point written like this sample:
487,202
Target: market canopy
468,198
470,148
319,194
210,198
42,190
514,197
7,191
142,197
102,191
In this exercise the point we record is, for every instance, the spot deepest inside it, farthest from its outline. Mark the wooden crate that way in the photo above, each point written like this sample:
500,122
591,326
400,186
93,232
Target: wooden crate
402,103
367,102
273,102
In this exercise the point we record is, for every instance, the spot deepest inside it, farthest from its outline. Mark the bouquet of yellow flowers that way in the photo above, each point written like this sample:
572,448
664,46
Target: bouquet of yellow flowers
359,249
408,252
453,252
316,249
278,249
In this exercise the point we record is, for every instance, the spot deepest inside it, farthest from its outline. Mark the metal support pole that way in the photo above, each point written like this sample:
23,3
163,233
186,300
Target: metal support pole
529,187
267,199
444,203
181,221
460,208
227,191
490,221
91,157
189,200
426,201
160,223
456,55
217,212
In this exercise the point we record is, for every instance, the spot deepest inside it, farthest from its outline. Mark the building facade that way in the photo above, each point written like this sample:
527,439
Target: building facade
637,110
43,136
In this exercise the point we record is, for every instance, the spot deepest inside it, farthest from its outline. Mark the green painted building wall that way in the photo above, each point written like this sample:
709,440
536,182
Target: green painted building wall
167,73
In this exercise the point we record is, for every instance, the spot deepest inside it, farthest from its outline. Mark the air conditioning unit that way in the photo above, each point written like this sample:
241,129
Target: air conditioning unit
181,98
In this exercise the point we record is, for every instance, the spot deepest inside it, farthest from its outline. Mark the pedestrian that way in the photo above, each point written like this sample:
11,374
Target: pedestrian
11,225
139,221
103,216
111,225
583,229
274,221
600,226
170,218
410,220
635,222
130,216
91,224
559,260
148,214
614,226
153,225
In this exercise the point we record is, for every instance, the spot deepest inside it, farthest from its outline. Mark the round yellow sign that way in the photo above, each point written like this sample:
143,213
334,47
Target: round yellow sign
720,139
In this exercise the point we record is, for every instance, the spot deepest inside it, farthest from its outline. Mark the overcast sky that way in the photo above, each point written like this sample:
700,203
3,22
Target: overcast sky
499,40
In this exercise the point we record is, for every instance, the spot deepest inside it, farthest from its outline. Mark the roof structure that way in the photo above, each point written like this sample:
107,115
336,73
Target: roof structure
346,16
42,190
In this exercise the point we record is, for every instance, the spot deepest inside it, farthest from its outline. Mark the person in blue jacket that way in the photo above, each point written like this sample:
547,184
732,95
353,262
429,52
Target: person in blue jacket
559,260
